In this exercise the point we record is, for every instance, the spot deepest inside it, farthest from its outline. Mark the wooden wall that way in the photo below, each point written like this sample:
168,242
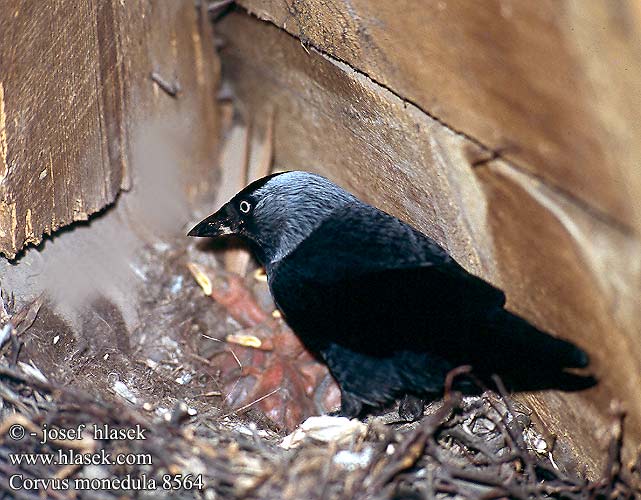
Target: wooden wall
74,84
508,132
552,86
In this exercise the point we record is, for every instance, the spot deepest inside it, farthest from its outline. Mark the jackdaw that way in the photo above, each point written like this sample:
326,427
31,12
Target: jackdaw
384,306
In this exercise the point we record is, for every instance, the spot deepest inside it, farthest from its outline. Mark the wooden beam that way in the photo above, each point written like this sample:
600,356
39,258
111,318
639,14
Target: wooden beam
74,85
550,85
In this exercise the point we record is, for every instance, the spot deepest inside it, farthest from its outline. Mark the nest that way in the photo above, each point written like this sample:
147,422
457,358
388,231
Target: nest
467,447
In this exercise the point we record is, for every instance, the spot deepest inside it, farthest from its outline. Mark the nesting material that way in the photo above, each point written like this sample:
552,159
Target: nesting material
467,448
201,277
326,429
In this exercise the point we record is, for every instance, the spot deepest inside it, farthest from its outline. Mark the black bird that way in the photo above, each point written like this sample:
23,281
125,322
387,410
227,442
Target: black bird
384,306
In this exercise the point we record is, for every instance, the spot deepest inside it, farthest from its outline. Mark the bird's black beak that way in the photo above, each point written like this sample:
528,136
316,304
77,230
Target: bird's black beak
218,224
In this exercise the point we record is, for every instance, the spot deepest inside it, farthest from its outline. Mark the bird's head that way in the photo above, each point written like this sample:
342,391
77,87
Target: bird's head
276,213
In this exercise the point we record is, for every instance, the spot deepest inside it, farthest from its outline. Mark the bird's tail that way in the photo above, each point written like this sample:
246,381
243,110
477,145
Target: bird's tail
535,359
543,347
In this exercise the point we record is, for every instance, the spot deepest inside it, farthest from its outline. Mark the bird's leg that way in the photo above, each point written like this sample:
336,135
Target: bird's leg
411,408
351,406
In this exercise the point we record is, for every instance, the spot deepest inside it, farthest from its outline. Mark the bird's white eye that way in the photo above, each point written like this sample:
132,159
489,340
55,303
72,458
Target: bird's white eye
244,206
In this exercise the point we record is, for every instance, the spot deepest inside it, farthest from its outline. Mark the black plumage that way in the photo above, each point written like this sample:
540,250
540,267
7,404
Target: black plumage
382,304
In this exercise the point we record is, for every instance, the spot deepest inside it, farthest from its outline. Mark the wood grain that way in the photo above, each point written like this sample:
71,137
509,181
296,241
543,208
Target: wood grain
551,86
546,250
74,85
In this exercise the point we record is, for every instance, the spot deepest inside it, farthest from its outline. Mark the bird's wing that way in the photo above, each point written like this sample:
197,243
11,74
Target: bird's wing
360,241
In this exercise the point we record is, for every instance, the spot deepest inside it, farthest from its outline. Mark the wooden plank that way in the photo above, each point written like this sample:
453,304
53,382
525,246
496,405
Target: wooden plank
59,163
547,252
74,88
551,258
551,85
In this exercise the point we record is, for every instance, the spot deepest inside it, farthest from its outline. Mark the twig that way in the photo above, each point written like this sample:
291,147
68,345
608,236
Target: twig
452,374
248,405
516,436
412,448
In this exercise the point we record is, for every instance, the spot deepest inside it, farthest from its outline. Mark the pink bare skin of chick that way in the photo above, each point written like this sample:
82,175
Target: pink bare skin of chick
283,379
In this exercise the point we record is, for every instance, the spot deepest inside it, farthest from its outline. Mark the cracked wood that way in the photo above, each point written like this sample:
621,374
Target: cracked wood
74,91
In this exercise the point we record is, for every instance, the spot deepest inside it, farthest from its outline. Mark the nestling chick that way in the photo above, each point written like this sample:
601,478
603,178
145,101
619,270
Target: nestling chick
385,307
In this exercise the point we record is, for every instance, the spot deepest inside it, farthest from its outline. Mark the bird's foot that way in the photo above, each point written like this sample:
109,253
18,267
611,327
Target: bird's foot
411,408
351,407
